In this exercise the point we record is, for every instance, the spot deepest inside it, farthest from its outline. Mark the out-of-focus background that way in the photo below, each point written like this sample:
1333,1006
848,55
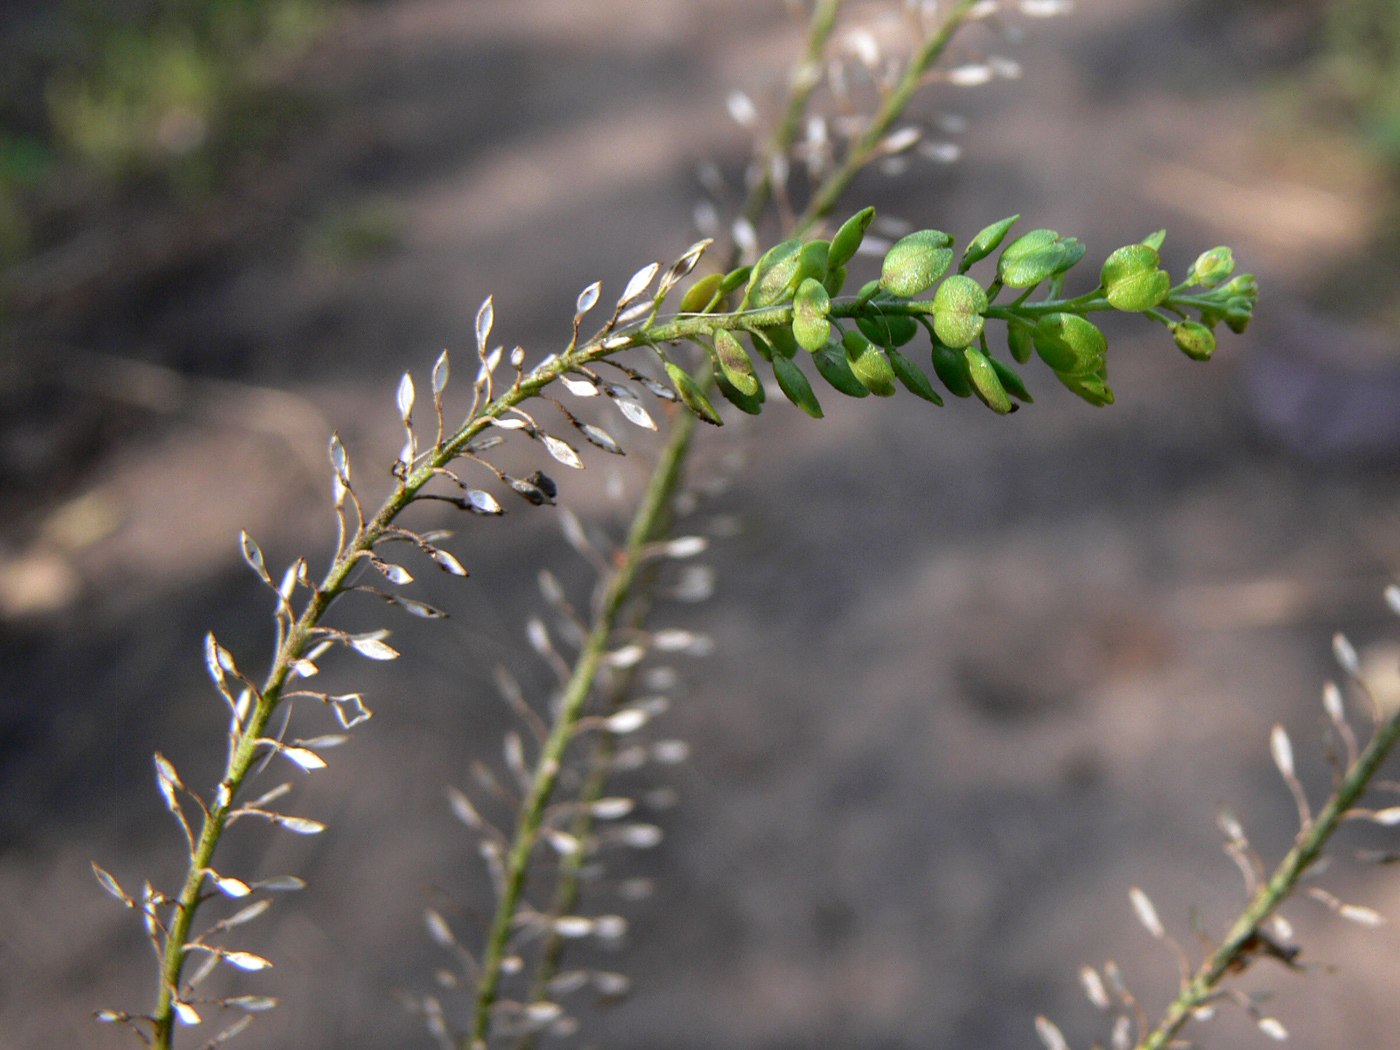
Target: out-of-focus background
974,677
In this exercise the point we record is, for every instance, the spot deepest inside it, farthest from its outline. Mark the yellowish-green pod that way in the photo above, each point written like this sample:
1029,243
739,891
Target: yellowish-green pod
985,383
868,365
734,362
702,294
690,393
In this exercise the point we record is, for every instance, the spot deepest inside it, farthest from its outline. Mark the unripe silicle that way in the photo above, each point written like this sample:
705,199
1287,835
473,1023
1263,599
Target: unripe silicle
1195,340
869,365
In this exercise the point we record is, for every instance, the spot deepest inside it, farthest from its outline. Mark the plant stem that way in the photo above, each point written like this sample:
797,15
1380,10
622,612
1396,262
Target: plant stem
1238,943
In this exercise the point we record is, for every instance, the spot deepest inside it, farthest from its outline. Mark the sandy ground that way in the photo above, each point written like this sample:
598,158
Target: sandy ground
974,677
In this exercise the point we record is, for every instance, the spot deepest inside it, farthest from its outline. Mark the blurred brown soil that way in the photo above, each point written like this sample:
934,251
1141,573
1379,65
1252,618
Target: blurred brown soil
974,677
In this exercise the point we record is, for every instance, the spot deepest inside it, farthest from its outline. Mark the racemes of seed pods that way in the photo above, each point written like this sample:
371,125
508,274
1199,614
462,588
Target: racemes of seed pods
789,300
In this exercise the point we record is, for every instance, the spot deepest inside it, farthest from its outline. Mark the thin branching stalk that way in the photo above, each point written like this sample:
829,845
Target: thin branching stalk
1241,941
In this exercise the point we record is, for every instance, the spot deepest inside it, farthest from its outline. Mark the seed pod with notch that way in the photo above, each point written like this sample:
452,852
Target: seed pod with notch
957,311
910,375
848,238
1131,280
752,404
986,242
1010,381
1020,340
735,363
772,274
985,383
703,294
916,262
951,370
810,307
1031,258
868,365
795,386
691,395
1069,344
832,366
1195,340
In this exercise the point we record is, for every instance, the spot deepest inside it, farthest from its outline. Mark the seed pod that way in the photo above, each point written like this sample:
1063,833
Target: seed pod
831,364
834,280
957,311
811,263
913,379
810,307
1020,340
750,404
1069,344
986,242
985,383
884,329
1155,240
1131,280
735,363
1092,388
794,384
772,274
691,395
848,238
1238,314
1030,258
1195,340
701,294
781,341
1212,267
1010,380
951,370
868,365
916,262
1074,251
734,279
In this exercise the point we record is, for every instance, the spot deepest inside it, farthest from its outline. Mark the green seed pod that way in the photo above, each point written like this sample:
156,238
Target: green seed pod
1091,388
794,384
735,363
1010,381
1238,314
986,242
734,278
1074,251
916,262
1070,344
831,364
1195,340
868,365
780,338
985,383
810,307
1131,280
812,262
1155,241
1212,267
751,404
772,274
957,311
913,379
884,329
1020,340
702,294
1030,258
691,395
848,238
951,370
835,280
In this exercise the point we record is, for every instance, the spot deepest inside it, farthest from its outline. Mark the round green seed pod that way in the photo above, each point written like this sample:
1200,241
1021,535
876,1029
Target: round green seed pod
1195,340
957,311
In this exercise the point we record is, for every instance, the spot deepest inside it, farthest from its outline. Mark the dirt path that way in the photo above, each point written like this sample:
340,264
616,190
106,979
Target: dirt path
974,678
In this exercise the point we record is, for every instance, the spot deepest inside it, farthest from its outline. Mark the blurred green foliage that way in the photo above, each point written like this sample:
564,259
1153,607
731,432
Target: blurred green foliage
162,94
1360,68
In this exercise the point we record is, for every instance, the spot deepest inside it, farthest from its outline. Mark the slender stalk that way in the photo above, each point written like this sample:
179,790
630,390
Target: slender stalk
867,146
1238,943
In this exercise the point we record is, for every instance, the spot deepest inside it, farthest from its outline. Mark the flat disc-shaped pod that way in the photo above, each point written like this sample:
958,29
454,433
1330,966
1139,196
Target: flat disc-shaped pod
1031,258
810,307
957,311
1131,279
772,274
916,262
869,365
1069,344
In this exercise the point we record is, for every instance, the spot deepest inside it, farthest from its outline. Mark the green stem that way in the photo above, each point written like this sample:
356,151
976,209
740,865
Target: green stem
1236,946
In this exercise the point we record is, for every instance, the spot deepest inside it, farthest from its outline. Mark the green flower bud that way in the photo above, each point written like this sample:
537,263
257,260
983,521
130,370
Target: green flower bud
1195,340
986,242
1244,285
848,238
1069,344
951,369
957,311
702,293
985,383
916,262
832,366
794,384
914,380
1212,267
690,393
1131,280
868,365
735,363
1031,258
810,307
